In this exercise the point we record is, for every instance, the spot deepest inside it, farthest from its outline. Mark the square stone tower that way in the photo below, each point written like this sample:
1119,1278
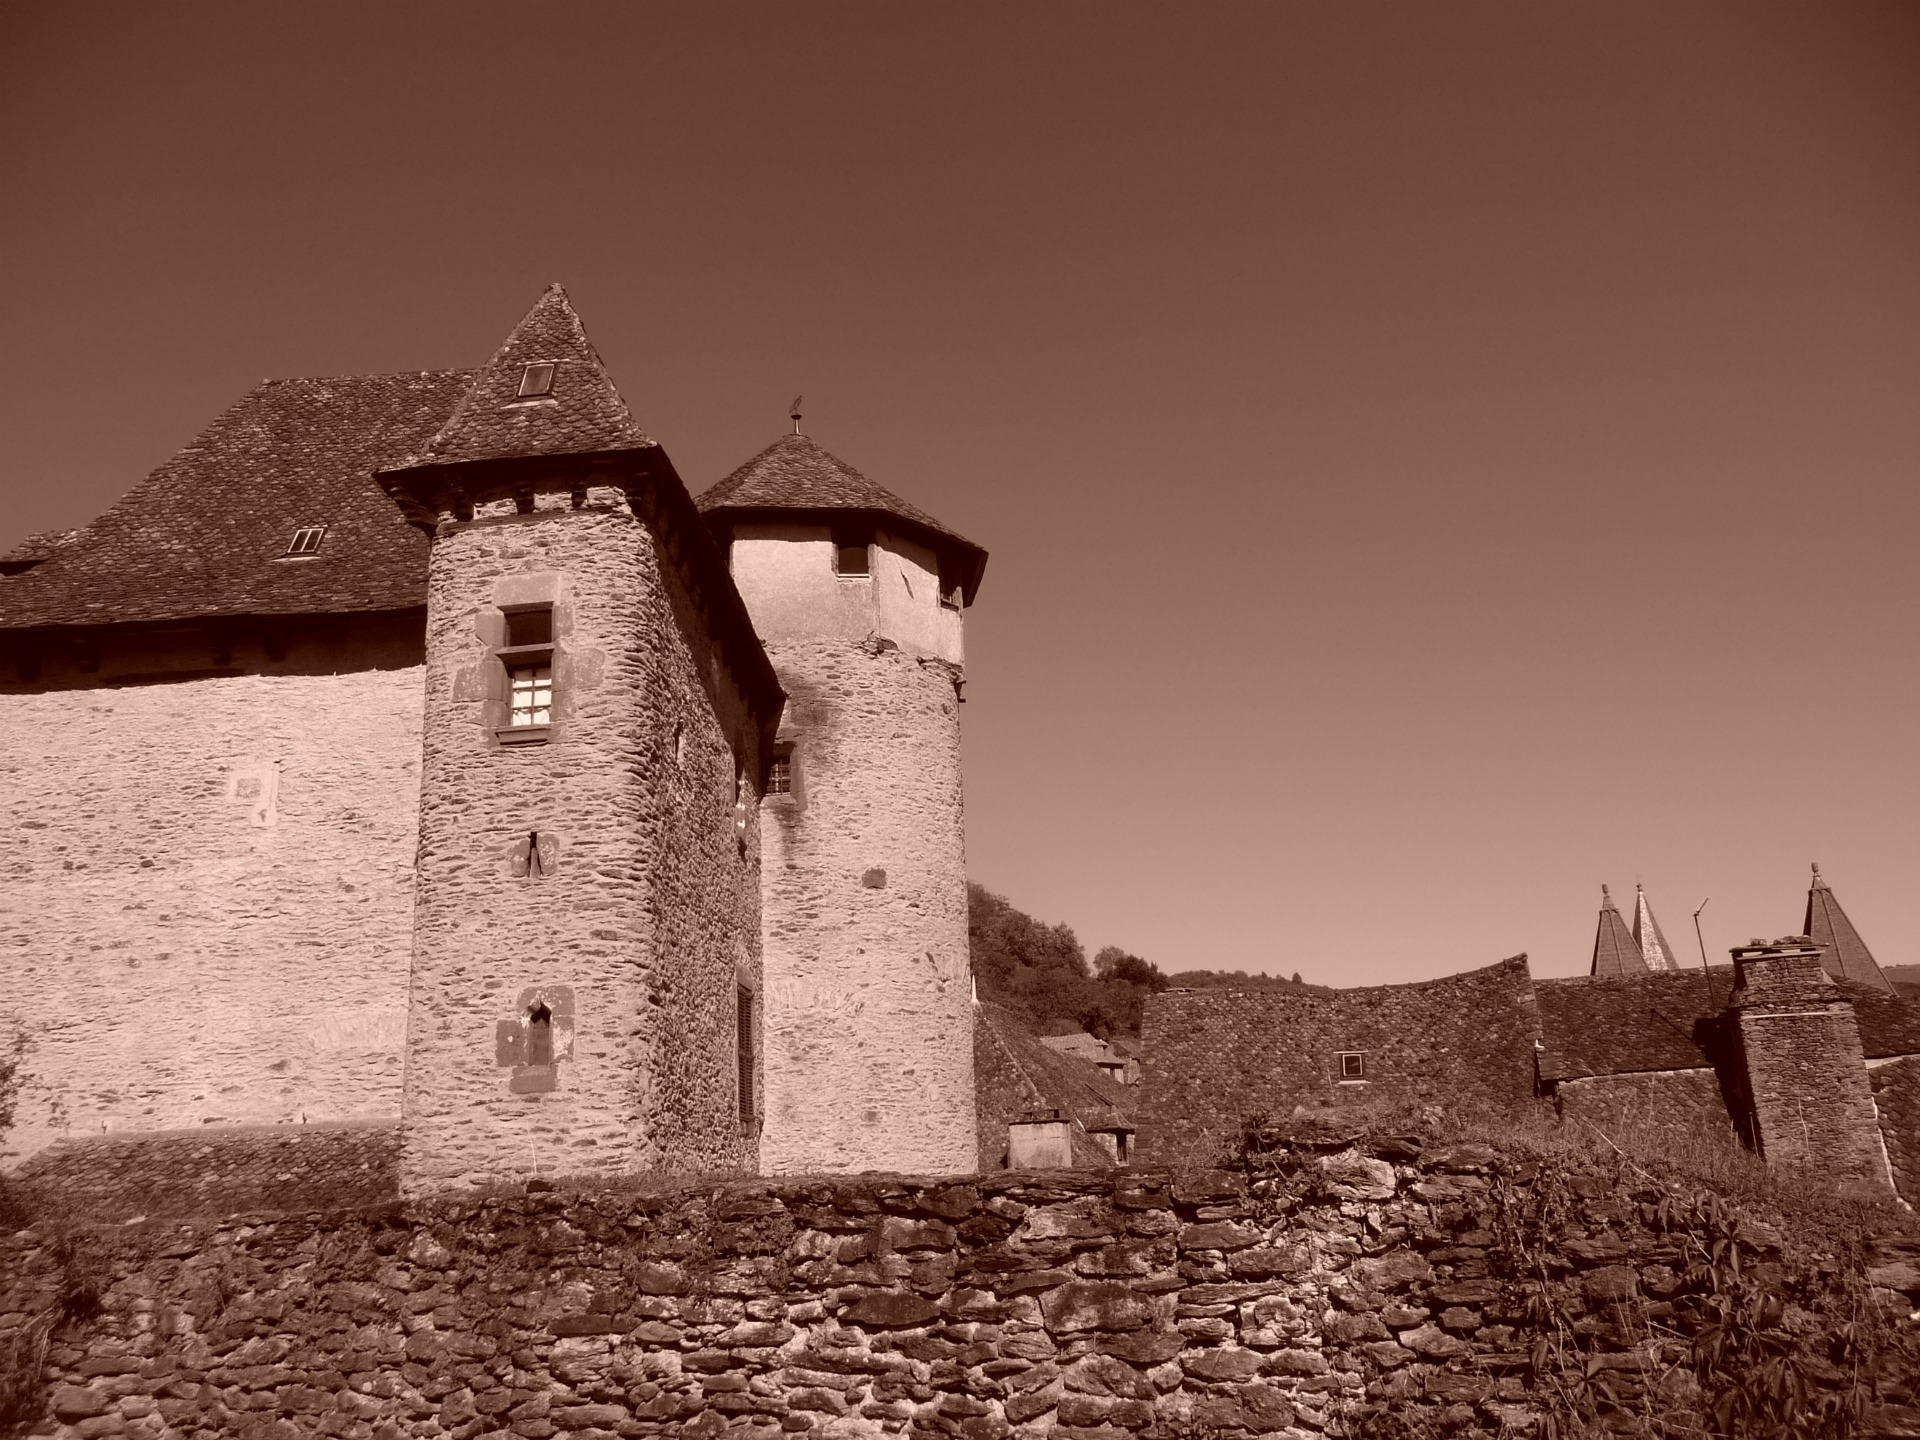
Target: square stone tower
1809,1098
858,598
585,992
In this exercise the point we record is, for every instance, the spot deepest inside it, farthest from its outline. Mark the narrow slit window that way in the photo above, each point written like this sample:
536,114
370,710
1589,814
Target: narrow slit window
306,540
530,695
743,1046
536,380
540,1035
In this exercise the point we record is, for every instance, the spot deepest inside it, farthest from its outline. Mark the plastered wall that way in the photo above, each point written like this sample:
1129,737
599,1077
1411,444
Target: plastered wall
206,896
642,918
785,573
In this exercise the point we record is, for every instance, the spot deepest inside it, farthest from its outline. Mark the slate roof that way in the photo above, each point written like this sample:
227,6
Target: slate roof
203,534
1647,934
794,475
1660,1020
1616,1024
582,413
1615,951
1847,956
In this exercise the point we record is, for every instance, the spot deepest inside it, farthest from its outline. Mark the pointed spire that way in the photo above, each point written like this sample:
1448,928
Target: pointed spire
518,406
1843,953
1615,951
1646,934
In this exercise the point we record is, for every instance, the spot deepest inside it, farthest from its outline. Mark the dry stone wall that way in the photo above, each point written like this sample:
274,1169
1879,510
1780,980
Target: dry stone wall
1354,1290
869,1023
206,896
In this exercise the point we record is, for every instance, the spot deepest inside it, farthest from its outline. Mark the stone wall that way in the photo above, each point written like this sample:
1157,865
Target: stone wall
1216,1056
1805,1076
1680,1100
868,1020
1896,1098
218,1170
639,920
1350,1283
206,893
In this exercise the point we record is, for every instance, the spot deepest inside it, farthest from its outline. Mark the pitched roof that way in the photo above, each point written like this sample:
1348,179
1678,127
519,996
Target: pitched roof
1646,934
795,475
1661,1020
204,534
1615,1024
1846,955
1615,951
580,413
1019,1075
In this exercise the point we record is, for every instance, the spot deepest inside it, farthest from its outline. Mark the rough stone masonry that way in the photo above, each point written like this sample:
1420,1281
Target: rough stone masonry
1377,1278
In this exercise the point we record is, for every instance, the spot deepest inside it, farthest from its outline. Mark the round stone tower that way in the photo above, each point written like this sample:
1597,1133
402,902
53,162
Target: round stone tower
858,597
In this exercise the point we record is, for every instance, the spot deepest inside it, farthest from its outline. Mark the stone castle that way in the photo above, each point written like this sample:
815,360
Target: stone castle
417,746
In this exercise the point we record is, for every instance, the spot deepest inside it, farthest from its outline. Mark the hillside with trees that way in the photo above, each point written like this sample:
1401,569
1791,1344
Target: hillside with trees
1042,972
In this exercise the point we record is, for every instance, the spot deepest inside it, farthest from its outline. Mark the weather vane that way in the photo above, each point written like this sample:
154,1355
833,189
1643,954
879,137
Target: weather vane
793,411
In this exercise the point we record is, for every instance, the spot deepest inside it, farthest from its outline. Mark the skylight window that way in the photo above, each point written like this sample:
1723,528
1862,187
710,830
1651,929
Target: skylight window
306,540
536,380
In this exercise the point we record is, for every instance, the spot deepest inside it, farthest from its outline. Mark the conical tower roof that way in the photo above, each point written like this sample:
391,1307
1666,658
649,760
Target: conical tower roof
1615,951
572,410
1646,934
1843,952
794,478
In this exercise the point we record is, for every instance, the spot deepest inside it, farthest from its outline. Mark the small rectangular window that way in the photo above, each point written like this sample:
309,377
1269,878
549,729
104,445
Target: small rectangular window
852,553
536,380
780,776
1353,1065
530,627
306,540
530,695
743,1045
950,590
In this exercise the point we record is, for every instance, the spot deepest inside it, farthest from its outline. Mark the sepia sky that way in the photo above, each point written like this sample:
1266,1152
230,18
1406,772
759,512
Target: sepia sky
1435,458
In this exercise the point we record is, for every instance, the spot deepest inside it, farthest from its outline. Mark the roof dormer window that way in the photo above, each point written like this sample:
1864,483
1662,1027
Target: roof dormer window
536,380
306,540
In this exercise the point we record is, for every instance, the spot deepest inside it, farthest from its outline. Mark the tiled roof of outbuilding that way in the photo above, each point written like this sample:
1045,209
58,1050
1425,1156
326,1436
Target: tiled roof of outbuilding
794,474
582,413
1620,1023
1021,1076
204,534
1657,1020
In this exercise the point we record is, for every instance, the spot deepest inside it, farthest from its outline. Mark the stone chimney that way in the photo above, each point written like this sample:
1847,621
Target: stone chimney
1806,1077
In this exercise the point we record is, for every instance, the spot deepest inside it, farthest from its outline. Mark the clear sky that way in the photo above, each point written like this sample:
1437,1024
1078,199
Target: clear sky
1435,458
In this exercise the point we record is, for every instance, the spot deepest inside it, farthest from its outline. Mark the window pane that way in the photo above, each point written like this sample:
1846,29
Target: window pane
536,380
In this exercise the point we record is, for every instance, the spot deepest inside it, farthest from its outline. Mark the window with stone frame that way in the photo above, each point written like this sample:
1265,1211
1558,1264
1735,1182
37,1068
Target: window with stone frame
780,778
526,653
529,695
